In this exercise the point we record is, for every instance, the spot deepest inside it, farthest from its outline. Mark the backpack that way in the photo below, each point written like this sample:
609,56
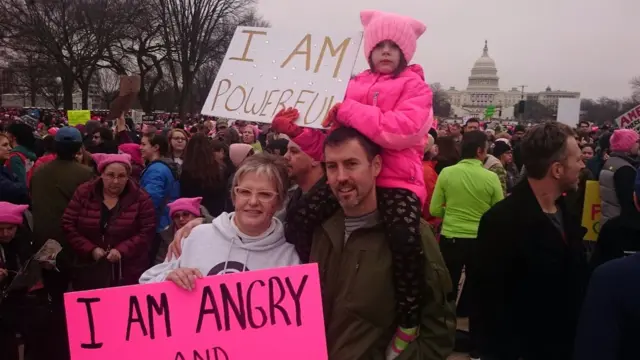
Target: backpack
28,165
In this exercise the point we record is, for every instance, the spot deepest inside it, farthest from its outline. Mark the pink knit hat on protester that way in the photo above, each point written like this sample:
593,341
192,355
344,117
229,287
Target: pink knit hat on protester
622,140
133,150
11,213
103,160
402,30
190,205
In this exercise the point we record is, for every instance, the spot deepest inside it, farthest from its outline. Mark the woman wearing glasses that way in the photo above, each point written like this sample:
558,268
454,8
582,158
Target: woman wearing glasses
178,140
249,238
110,224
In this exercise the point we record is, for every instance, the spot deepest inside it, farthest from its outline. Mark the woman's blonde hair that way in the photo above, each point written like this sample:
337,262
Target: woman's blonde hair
273,167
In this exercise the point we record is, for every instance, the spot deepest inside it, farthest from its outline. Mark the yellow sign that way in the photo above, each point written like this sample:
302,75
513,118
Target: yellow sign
591,213
78,117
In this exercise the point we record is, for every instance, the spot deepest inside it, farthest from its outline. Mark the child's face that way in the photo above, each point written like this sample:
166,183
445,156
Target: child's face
386,57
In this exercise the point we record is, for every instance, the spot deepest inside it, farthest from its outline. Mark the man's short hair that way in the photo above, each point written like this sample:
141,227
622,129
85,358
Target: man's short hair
543,145
583,122
471,142
475,120
66,150
344,134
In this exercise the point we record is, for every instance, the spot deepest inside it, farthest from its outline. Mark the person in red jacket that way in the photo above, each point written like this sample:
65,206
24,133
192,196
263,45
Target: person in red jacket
109,223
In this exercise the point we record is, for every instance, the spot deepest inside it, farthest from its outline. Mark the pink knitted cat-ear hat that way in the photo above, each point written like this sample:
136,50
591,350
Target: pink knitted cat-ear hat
402,30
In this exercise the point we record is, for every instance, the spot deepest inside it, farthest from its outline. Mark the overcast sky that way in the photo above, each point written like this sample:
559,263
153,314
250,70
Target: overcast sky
591,46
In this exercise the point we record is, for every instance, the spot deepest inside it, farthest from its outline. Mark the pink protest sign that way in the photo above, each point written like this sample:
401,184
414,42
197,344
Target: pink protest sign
266,314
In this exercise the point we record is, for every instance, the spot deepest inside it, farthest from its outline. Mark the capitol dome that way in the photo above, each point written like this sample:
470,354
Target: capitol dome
484,74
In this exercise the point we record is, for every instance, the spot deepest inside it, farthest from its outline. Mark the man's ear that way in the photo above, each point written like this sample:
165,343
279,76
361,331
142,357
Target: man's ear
556,170
376,163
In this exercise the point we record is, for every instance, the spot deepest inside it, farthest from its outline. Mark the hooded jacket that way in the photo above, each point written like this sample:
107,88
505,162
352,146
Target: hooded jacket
221,248
161,180
20,161
395,113
494,165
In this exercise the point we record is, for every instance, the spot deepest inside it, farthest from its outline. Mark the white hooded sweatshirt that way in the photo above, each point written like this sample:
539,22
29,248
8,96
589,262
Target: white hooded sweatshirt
221,248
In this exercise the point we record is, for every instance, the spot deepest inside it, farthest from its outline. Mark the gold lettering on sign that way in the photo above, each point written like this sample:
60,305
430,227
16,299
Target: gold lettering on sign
254,110
268,102
342,48
300,102
321,114
244,96
219,93
248,44
306,41
280,104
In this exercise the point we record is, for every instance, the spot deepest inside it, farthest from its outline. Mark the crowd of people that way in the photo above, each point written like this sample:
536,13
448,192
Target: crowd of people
413,224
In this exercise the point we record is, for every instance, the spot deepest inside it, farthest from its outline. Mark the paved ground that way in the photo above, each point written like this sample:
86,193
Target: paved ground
463,324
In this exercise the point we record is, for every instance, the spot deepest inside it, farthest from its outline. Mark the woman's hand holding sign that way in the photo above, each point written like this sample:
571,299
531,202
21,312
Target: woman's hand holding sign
185,277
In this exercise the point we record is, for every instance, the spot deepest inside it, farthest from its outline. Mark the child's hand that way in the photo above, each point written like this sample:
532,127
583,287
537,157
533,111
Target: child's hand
284,122
331,119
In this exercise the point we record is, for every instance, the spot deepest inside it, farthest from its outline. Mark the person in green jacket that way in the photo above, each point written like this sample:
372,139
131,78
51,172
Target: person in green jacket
22,157
463,193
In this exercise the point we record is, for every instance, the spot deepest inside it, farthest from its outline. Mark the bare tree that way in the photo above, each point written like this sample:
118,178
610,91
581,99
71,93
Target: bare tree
52,92
441,104
195,32
73,35
635,86
108,83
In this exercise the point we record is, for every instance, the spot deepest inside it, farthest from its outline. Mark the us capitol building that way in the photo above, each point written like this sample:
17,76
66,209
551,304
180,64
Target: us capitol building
483,90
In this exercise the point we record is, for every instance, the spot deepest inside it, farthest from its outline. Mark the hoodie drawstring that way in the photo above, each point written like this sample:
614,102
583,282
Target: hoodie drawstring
246,260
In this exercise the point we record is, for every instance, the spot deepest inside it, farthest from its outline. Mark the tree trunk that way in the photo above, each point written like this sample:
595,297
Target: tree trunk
85,96
67,92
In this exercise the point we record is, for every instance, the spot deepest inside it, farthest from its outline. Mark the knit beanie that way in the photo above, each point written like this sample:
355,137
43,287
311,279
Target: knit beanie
500,147
11,213
239,152
402,30
623,140
133,150
190,205
104,160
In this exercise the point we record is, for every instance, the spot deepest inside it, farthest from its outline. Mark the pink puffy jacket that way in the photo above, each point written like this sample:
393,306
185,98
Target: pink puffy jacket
395,113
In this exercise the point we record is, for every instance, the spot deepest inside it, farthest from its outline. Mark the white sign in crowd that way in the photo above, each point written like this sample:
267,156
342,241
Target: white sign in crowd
266,70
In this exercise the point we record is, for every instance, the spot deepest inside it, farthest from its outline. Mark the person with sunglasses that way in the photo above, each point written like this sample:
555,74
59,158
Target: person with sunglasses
250,238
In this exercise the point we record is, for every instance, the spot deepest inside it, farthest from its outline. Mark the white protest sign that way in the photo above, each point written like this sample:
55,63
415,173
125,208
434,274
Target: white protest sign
630,119
266,70
136,115
568,112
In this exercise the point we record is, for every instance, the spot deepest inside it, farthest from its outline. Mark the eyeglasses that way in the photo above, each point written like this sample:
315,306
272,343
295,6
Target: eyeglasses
113,177
262,195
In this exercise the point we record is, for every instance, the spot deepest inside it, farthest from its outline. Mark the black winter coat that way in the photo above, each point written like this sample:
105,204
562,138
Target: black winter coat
530,280
11,189
618,237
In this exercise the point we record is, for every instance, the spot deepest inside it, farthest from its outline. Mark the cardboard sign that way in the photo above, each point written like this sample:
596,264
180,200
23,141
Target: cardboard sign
129,89
76,117
266,314
630,119
591,213
267,69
